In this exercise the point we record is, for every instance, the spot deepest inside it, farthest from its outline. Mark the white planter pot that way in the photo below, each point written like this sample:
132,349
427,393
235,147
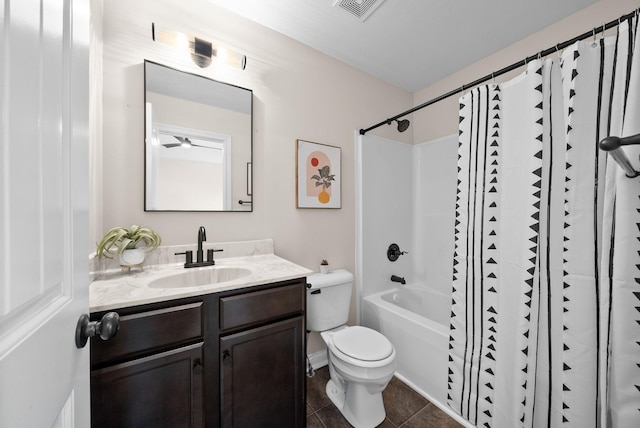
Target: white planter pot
324,268
133,257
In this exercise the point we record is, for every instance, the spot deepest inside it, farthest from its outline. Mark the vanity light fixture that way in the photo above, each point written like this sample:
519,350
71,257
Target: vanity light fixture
202,51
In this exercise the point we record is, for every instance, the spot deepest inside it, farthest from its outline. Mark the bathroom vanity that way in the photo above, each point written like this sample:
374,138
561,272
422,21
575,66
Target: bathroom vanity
227,354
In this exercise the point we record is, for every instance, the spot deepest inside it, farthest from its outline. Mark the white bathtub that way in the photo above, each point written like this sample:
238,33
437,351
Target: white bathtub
416,322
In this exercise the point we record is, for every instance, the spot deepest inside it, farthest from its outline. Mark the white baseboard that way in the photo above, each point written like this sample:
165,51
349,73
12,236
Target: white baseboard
318,359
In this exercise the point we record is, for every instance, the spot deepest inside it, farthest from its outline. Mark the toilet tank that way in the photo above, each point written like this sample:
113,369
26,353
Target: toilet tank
328,299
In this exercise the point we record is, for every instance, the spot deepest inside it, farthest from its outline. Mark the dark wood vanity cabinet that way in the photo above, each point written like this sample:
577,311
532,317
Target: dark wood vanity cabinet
163,390
151,373
229,359
262,363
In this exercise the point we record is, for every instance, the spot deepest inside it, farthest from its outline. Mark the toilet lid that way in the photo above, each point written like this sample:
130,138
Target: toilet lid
362,343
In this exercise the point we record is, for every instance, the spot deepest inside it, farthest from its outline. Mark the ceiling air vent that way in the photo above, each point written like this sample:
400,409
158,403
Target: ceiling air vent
361,9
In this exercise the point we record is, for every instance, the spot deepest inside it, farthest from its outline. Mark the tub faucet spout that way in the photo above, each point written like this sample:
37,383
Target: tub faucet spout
395,278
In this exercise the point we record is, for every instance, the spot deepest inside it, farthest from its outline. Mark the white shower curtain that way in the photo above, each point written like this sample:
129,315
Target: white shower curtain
545,320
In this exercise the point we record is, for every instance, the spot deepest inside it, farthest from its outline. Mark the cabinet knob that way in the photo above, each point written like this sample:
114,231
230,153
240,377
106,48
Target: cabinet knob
226,354
106,328
197,367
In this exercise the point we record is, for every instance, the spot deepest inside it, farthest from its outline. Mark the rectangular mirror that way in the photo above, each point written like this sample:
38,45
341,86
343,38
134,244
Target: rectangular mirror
198,142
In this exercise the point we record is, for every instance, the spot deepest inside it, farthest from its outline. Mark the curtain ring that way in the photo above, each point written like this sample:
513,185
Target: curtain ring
604,29
540,55
493,78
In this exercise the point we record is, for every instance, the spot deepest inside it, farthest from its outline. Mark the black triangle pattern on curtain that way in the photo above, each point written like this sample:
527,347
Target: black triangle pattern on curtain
466,341
488,329
566,282
636,294
473,339
534,229
553,379
636,219
578,284
474,257
458,318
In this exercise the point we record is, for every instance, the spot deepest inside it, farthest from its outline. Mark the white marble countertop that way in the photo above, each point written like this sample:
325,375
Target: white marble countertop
115,289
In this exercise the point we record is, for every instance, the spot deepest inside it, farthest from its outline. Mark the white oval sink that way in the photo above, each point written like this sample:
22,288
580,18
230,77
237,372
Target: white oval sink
197,277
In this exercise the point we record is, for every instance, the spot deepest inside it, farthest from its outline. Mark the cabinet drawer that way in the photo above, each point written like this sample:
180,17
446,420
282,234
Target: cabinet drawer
259,306
149,331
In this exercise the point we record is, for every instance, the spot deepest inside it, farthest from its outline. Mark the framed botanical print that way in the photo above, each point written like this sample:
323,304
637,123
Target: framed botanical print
318,175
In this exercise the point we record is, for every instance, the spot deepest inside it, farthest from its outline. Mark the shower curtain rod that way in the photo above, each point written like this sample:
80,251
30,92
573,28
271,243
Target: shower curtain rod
556,48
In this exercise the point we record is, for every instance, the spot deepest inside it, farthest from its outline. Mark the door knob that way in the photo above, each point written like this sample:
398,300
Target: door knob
106,328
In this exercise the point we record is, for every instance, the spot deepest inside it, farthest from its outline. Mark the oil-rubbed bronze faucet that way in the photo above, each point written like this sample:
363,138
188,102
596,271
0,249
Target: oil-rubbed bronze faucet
202,236
393,252
396,278
189,263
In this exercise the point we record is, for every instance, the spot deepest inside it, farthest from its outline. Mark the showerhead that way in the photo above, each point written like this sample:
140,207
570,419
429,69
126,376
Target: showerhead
403,124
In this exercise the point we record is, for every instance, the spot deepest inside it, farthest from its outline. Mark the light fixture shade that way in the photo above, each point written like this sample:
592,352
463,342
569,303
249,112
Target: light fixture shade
202,51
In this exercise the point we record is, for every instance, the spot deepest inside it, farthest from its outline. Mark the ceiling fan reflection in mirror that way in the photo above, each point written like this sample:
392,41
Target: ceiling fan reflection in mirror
186,143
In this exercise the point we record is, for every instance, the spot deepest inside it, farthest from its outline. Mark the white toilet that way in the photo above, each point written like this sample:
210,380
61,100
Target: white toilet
361,360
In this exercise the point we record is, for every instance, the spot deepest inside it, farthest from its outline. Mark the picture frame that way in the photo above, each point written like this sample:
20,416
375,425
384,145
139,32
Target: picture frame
318,175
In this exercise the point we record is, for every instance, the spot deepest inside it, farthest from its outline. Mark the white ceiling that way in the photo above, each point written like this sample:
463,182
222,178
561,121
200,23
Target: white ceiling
408,43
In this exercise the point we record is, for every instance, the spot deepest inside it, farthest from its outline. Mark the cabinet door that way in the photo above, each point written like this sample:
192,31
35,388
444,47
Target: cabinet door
262,376
162,390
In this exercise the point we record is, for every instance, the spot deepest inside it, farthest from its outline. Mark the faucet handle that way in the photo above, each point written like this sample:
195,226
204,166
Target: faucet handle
210,252
393,252
188,256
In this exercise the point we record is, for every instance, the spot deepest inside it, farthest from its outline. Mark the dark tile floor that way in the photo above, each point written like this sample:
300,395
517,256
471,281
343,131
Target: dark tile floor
405,407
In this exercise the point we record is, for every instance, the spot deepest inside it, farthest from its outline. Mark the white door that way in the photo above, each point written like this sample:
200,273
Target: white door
44,378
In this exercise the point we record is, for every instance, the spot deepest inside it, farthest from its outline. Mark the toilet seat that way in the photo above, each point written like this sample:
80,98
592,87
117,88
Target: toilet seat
362,343
356,363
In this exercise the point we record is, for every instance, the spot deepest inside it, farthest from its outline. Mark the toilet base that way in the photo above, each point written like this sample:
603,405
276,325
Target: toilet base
358,406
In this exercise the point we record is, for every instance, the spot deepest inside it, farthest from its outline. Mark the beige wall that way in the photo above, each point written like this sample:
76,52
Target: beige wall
298,93
441,119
